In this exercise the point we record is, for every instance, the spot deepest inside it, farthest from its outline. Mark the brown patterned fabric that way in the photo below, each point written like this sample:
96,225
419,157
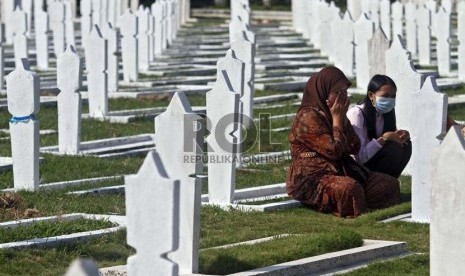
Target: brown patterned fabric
319,182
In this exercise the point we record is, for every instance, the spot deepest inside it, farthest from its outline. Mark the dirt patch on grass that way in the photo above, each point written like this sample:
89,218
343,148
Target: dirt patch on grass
12,207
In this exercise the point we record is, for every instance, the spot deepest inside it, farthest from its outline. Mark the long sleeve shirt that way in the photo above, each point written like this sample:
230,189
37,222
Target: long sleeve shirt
369,147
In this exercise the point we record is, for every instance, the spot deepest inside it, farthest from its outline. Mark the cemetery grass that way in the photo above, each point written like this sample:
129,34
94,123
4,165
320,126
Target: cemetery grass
218,228
45,230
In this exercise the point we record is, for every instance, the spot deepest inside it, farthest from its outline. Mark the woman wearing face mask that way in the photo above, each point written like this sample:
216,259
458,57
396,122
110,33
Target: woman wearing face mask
323,175
384,148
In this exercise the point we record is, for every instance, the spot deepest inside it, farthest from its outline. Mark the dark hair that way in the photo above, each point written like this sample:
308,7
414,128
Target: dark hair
369,111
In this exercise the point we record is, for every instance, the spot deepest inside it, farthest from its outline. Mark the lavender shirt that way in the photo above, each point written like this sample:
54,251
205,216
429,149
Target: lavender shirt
368,147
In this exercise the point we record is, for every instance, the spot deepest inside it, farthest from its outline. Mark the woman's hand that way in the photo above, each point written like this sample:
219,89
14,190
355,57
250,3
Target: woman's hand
399,136
404,135
339,109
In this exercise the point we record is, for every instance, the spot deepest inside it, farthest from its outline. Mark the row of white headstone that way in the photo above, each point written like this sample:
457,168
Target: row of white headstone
171,190
353,36
420,107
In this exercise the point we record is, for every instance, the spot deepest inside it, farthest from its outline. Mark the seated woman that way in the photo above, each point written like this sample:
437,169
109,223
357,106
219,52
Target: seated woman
384,148
323,176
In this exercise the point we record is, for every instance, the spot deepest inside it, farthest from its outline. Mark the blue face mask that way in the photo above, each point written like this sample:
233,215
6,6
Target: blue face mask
384,105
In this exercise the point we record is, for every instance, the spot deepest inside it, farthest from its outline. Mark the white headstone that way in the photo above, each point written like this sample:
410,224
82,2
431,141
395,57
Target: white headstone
317,30
429,122
129,46
69,79
298,14
169,21
2,56
345,51
97,78
397,15
23,91
431,5
152,40
377,47
181,153
447,241
143,18
152,211
86,19
363,31
447,5
461,38
96,12
27,6
57,25
112,37
69,24
8,7
104,11
83,267
424,35
400,68
134,5
354,7
385,17
411,28
327,15
374,12
245,51
41,37
223,107
443,42
157,12
164,24
19,28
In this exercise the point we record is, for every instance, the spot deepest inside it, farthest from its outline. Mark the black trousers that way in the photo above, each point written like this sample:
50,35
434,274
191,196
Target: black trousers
391,159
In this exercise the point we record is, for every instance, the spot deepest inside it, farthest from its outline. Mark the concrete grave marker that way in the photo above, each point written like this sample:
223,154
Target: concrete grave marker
57,24
374,12
182,162
86,20
143,19
345,51
27,6
8,7
447,241
355,9
2,56
363,31
96,12
429,122
69,24
385,17
19,28
424,35
245,51
447,5
129,46
23,104
152,211
41,37
411,28
97,78
377,47
223,107
69,79
397,15
461,38
157,12
83,267
443,42
112,37
432,6
400,68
